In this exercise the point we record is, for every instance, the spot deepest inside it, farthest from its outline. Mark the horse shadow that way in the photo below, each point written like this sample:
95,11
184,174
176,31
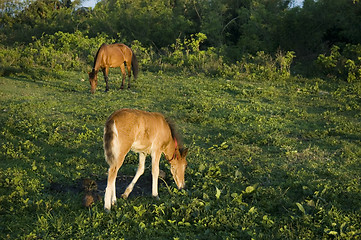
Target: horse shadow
93,190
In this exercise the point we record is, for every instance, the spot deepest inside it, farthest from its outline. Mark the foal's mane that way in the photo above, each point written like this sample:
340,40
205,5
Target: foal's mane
174,132
96,55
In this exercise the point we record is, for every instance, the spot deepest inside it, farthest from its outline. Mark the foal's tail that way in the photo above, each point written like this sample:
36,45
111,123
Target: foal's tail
135,66
111,142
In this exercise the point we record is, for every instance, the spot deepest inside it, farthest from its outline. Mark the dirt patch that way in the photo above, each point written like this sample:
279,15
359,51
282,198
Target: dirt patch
93,190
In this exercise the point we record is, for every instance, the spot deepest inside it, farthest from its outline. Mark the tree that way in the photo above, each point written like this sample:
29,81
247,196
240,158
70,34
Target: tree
23,20
318,25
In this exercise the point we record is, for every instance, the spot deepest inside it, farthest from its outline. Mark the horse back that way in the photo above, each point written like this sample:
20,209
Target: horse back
142,131
112,55
127,52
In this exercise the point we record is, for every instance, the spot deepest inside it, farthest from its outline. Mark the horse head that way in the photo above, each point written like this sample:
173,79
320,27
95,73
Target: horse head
93,80
178,166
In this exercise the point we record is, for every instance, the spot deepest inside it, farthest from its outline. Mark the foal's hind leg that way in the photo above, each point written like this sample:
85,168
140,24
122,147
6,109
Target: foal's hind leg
139,173
110,192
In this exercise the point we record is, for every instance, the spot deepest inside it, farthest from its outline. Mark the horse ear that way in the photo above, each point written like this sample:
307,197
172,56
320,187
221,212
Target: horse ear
184,152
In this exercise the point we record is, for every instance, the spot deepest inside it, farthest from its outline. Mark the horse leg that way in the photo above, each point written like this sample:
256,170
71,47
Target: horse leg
139,173
129,65
106,72
155,173
122,68
110,191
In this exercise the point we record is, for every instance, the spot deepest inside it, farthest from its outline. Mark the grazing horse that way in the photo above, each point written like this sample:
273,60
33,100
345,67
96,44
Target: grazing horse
113,55
144,133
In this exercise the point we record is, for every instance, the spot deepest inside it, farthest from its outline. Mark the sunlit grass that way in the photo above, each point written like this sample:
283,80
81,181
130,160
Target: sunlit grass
267,159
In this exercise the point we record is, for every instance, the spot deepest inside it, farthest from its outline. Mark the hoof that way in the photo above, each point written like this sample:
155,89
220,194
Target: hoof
124,196
156,198
106,90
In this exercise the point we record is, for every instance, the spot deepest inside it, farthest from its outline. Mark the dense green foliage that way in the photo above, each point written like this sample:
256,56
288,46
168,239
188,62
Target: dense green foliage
268,159
342,65
233,28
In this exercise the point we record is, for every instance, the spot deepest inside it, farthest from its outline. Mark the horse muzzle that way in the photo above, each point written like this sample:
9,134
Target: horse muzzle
181,186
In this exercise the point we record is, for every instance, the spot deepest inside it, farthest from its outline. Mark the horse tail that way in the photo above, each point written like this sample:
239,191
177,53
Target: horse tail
111,142
135,66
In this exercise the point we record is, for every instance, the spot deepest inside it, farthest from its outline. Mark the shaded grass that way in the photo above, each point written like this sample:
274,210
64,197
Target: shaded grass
267,159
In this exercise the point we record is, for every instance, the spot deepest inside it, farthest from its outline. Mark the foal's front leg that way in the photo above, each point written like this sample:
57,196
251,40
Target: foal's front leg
139,173
155,173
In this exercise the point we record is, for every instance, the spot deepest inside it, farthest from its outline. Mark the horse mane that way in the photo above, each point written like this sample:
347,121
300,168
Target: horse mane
96,55
174,132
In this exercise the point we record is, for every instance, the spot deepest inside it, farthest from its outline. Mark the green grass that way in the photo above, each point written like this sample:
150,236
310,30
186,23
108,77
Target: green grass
267,160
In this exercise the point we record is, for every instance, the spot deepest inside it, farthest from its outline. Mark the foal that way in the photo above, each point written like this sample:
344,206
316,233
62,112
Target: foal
144,133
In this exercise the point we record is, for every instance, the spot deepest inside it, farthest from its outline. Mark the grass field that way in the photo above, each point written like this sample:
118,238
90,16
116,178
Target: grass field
267,160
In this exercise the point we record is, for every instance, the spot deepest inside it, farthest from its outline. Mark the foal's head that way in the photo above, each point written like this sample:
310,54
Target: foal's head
178,166
93,79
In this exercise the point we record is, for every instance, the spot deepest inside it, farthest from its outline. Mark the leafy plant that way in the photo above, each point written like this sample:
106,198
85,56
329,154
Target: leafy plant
188,55
262,67
345,64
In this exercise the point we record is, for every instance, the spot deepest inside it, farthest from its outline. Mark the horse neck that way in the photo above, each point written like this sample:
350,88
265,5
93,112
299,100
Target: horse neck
170,150
96,65
97,60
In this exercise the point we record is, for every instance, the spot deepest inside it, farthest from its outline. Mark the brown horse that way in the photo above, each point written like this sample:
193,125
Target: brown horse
113,55
145,133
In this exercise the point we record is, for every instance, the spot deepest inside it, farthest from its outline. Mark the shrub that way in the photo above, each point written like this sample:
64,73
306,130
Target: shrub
345,64
187,54
147,58
75,51
69,51
9,60
261,66
60,51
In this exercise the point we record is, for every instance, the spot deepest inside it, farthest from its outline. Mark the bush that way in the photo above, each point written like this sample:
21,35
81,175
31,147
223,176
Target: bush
68,51
188,55
9,60
75,51
261,66
61,51
345,64
147,58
